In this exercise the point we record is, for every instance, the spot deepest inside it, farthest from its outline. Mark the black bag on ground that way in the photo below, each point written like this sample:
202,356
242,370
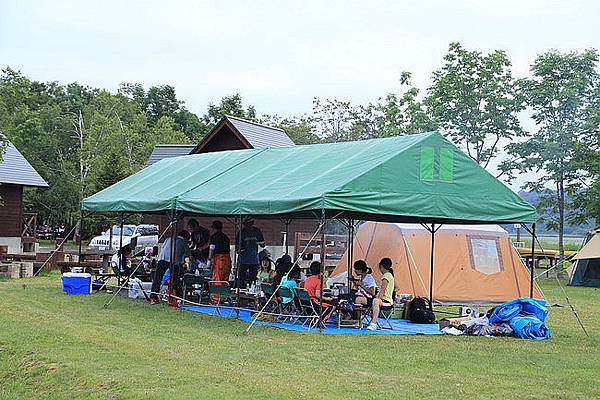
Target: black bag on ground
419,311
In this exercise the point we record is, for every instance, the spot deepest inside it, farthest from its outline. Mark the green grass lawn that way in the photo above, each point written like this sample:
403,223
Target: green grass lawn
54,346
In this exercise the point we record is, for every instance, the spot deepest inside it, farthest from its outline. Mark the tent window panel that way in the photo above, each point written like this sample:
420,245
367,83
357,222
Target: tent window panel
485,254
593,269
427,157
446,165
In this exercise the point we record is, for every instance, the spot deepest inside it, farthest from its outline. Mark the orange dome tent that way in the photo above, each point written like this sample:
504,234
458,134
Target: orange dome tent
474,264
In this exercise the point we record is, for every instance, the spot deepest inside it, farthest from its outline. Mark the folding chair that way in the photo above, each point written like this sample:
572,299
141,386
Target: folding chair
287,308
384,314
309,314
189,280
275,305
220,292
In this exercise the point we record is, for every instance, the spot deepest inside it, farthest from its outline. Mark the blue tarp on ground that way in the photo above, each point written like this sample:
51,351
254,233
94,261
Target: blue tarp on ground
400,326
525,315
530,328
521,306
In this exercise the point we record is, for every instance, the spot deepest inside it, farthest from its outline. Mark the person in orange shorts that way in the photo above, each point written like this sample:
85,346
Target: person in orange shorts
219,245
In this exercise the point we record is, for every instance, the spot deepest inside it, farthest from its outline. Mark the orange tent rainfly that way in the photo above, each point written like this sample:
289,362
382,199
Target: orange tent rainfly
474,264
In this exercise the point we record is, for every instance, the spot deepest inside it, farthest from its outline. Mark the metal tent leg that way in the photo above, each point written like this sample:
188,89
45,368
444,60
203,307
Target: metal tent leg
532,260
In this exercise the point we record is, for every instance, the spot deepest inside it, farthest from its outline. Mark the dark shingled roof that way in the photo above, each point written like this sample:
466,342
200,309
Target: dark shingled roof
257,135
15,169
169,150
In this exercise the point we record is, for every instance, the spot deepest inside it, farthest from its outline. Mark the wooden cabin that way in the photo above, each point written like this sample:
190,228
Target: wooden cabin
17,229
233,133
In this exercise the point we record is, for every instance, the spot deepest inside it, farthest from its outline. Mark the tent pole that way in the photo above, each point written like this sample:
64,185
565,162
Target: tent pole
532,260
287,236
431,265
121,219
172,255
238,245
80,236
321,269
349,253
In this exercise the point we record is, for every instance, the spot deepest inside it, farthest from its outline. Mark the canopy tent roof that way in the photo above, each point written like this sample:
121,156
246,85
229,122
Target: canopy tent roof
416,178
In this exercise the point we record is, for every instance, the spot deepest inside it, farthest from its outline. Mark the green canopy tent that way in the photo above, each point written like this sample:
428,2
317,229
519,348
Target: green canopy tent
419,178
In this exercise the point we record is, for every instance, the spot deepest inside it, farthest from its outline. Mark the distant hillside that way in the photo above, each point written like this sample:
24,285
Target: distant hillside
574,230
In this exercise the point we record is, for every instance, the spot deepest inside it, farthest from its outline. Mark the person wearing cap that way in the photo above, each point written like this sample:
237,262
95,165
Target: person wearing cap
220,248
249,239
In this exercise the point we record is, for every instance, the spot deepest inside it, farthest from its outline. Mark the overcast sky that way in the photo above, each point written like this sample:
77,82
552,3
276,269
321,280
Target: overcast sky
277,54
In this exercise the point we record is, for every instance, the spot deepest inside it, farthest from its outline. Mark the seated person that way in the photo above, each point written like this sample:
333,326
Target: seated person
282,266
365,285
385,297
290,282
120,263
265,273
148,261
312,284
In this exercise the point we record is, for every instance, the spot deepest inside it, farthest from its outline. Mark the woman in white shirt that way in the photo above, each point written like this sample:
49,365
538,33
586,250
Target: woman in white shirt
366,288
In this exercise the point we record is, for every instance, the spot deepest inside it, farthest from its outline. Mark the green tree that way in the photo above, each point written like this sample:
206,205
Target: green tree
229,105
475,99
300,129
587,160
161,101
404,114
561,94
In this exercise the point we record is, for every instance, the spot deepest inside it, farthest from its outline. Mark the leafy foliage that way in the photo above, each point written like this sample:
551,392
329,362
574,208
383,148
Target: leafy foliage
562,94
476,101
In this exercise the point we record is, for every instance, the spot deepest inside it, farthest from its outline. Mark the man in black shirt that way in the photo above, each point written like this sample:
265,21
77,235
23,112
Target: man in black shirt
200,240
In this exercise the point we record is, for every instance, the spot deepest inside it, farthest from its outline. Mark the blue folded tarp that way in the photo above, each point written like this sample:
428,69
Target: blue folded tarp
523,306
530,328
525,315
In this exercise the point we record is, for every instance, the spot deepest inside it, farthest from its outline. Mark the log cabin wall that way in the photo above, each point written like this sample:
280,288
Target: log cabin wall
11,210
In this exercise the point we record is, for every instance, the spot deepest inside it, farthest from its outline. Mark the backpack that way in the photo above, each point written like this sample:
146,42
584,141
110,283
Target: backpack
418,311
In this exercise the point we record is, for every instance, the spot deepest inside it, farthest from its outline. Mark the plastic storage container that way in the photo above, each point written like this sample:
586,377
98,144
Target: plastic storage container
77,283
134,291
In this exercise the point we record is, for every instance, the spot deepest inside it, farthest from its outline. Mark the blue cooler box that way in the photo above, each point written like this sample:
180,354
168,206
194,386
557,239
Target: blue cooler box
77,283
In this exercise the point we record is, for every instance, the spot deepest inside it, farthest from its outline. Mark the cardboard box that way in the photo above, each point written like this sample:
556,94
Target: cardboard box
455,322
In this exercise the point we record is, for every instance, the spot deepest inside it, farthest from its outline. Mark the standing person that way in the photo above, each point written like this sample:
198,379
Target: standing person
251,238
220,248
200,237
182,250
385,298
